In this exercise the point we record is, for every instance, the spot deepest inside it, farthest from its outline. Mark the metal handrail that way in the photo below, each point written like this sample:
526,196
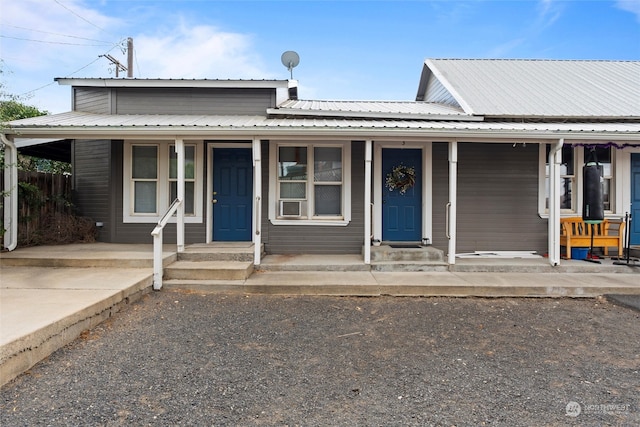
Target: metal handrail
157,243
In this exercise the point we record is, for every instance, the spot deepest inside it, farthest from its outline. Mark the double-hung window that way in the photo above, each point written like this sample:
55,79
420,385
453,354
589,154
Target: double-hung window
151,181
573,159
309,183
144,179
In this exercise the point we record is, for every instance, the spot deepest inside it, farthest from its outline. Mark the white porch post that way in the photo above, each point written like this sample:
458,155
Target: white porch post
180,213
451,214
367,201
427,192
257,189
10,193
555,160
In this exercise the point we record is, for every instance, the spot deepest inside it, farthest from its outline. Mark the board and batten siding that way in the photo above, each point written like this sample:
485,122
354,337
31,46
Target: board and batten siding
205,101
497,198
141,232
91,182
91,100
312,239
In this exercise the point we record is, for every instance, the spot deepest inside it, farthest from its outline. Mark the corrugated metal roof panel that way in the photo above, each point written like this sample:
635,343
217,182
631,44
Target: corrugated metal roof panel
384,107
71,121
542,88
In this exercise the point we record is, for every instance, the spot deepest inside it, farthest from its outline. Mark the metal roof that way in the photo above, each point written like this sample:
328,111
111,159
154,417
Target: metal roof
77,125
371,109
165,83
539,88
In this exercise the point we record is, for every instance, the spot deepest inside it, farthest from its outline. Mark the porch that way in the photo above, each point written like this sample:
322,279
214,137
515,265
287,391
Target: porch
402,274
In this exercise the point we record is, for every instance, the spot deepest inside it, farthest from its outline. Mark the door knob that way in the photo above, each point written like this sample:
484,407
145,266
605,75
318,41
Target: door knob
214,201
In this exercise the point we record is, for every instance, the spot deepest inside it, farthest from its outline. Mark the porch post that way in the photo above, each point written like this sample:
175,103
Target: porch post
10,193
257,210
367,202
451,214
555,159
180,213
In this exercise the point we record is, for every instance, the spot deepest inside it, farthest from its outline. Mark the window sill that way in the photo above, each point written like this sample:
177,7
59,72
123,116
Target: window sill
306,222
155,219
607,215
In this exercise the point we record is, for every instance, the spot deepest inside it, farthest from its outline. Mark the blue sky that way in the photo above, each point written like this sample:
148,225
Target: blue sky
348,49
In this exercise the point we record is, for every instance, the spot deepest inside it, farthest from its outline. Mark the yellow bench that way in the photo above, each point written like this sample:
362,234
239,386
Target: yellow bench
574,232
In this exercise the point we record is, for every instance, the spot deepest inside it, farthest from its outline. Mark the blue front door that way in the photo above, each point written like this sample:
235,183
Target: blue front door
634,236
402,213
232,194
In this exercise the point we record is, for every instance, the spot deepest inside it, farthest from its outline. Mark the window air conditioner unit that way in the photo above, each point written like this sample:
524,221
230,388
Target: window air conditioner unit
292,208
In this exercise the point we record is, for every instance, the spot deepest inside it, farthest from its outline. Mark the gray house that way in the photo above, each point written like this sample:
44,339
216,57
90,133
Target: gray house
488,157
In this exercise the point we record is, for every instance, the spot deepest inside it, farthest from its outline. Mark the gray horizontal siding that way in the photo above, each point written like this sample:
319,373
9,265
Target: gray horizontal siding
292,239
91,181
497,198
194,101
91,100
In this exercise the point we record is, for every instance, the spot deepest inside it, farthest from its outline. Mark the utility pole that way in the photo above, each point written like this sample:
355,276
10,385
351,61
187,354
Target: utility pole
119,65
129,57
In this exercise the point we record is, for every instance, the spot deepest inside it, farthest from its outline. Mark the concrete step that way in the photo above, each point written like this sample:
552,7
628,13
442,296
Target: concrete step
406,252
408,266
217,252
313,263
208,270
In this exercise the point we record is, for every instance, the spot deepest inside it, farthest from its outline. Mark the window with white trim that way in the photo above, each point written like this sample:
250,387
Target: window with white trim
151,184
309,181
573,159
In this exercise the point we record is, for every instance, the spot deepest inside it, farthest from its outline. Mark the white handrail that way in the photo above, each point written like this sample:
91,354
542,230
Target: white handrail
157,243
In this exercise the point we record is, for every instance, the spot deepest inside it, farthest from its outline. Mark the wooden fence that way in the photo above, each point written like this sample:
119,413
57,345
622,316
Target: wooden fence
43,199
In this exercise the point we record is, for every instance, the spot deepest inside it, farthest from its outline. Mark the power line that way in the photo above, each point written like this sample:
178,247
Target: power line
68,75
52,42
55,34
81,17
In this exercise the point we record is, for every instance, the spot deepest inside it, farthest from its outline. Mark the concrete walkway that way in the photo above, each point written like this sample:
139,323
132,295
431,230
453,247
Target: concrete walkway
44,308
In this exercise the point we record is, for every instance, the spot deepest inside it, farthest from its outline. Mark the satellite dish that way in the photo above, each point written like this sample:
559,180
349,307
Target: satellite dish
290,59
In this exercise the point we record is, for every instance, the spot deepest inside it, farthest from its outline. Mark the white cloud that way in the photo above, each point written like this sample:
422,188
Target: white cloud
196,52
171,48
632,6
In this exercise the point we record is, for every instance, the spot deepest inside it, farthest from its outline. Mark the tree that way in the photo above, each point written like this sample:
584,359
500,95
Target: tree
12,108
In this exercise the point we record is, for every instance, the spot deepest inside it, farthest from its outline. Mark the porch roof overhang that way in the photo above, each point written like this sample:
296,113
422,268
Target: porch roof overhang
81,125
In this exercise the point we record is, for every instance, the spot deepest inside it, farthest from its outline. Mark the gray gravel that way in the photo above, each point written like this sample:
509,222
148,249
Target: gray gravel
191,359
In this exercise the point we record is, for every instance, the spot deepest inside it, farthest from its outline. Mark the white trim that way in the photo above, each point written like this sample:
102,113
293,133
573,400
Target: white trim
346,183
162,189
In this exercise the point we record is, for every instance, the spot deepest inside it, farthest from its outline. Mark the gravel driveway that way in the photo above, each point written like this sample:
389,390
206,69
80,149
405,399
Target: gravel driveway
191,359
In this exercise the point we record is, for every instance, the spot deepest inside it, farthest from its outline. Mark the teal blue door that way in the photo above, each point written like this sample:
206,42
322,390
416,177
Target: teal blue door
402,213
634,236
232,194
